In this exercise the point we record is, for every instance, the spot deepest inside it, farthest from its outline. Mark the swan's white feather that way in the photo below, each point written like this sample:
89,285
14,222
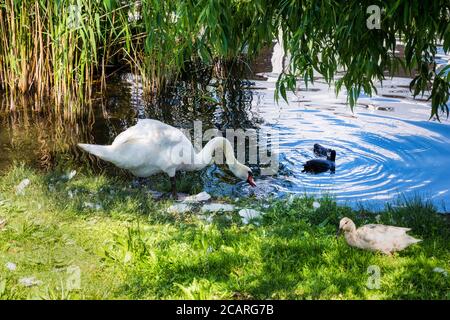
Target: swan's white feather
151,147
153,131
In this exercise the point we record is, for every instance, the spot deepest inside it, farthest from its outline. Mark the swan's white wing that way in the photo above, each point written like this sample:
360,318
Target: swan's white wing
149,147
151,131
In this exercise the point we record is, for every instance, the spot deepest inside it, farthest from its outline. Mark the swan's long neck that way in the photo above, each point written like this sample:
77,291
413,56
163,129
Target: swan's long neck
205,157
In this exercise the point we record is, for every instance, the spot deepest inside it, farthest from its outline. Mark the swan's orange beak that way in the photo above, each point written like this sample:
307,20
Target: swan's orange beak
251,181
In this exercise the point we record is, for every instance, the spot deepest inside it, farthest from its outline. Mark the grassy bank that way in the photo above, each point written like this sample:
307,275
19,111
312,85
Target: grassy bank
127,246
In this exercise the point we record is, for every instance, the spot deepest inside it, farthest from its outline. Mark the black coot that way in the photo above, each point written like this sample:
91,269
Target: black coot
321,165
321,151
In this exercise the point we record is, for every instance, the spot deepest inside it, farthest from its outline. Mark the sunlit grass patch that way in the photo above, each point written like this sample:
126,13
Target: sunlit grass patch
130,247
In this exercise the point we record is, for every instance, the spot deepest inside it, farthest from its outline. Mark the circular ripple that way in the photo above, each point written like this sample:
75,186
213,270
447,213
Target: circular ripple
378,159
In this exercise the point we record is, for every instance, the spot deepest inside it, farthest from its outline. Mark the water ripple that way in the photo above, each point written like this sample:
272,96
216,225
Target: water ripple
383,151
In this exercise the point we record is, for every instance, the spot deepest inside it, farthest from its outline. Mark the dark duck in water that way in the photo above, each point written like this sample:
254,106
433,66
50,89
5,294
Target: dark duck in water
321,165
321,151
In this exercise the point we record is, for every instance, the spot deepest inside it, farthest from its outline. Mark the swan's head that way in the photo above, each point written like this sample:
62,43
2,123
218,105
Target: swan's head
243,172
347,225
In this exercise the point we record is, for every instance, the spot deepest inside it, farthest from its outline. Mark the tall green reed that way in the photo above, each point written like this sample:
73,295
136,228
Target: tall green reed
58,49
63,49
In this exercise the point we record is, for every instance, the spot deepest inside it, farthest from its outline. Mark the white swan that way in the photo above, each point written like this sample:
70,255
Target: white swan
151,147
376,237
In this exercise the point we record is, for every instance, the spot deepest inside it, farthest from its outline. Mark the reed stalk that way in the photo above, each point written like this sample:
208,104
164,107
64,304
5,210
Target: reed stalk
62,50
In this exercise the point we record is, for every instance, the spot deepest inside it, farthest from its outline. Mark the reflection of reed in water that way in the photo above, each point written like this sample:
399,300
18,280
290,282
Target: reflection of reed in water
46,140
223,102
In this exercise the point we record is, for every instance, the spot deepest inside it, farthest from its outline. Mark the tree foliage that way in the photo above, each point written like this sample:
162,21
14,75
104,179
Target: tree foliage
326,37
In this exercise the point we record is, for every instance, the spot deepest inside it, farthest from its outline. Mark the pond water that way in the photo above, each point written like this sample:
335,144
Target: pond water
387,148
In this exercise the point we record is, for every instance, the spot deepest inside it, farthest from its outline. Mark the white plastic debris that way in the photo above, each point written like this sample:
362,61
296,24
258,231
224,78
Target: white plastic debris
91,205
179,208
316,205
70,175
214,207
201,197
11,266
440,270
20,189
29,281
249,214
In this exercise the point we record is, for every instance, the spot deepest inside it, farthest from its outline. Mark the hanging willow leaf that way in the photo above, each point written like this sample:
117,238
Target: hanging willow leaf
328,37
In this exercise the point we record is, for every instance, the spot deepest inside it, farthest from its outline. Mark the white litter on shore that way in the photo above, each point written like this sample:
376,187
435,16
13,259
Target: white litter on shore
70,175
91,205
29,281
201,197
440,270
11,266
214,207
179,208
248,214
20,189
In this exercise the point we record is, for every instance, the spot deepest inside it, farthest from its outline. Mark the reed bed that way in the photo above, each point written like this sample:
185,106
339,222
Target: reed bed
58,49
64,50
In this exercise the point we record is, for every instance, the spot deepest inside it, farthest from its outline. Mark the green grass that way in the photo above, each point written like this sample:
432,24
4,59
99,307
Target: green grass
131,248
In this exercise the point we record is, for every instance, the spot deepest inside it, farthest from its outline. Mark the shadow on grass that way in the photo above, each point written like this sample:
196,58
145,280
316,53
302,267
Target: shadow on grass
293,253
